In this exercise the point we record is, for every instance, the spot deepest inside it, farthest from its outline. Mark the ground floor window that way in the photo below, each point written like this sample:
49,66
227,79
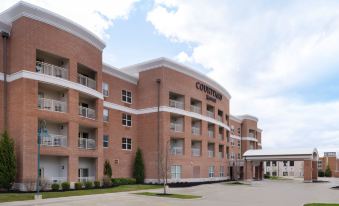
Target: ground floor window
176,171
285,173
274,173
211,171
83,172
221,171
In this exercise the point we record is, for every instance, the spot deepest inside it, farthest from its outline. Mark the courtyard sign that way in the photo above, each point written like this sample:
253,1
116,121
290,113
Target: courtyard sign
211,94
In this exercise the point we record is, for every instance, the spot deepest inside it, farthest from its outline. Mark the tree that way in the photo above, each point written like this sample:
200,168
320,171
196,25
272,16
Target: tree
7,161
164,165
321,173
328,172
107,169
139,168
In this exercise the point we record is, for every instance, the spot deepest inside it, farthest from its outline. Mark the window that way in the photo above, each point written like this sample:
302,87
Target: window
239,156
126,96
285,173
285,163
127,120
105,89
211,171
232,141
268,163
274,163
126,143
232,156
239,132
274,173
239,143
176,171
106,115
105,142
292,164
221,171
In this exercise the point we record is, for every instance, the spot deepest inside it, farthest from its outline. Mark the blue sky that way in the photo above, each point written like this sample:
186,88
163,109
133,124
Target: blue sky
278,59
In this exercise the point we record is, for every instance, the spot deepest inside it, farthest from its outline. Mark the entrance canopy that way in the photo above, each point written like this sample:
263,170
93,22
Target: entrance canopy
280,155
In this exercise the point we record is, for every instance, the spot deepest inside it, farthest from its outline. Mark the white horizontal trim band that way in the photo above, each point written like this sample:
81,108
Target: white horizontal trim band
164,109
277,157
54,80
249,139
207,179
1,76
235,137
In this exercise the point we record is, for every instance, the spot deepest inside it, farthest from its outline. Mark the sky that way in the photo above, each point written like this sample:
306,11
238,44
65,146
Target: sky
278,59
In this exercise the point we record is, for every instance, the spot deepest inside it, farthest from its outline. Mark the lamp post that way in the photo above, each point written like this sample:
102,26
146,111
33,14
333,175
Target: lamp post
41,129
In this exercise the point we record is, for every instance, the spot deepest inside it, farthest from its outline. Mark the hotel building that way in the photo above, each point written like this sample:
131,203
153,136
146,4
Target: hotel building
284,168
55,85
329,159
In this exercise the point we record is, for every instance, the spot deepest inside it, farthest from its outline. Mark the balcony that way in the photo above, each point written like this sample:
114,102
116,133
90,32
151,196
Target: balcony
86,179
56,179
219,118
177,150
54,140
210,153
220,137
196,131
211,133
196,109
52,105
176,104
251,135
87,112
51,70
175,127
220,155
86,143
86,81
196,152
210,114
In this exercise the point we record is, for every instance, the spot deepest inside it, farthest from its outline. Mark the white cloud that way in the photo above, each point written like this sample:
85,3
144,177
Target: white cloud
96,16
259,50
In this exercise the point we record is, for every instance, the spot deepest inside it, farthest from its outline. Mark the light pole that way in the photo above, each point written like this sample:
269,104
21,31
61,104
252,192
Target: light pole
41,130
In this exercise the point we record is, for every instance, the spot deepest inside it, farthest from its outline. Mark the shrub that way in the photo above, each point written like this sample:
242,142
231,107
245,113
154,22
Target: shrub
88,185
55,187
321,173
267,176
8,161
96,184
328,172
78,185
139,168
123,181
106,181
65,186
107,169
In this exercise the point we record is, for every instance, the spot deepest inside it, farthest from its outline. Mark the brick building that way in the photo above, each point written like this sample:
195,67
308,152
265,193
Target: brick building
54,84
330,159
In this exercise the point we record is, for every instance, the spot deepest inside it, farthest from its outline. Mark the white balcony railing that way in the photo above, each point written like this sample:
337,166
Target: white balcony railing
196,109
87,112
50,69
56,179
196,130
177,127
220,155
211,133
219,118
251,135
176,104
210,114
52,105
221,137
85,143
210,153
177,150
196,152
54,140
86,179
86,81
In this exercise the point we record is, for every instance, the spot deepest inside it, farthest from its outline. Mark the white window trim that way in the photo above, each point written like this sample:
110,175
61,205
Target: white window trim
103,114
104,83
126,120
176,172
126,96
126,144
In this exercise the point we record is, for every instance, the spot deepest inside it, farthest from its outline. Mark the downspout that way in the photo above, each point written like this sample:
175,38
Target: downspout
5,37
158,128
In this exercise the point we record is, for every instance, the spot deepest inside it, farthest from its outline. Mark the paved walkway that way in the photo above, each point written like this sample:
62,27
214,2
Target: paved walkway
262,193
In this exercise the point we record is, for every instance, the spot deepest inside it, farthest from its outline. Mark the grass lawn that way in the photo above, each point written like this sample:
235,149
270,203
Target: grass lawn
8,197
180,196
278,178
321,204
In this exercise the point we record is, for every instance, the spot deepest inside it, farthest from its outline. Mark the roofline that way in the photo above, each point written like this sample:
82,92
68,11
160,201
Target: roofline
247,117
24,9
113,71
171,64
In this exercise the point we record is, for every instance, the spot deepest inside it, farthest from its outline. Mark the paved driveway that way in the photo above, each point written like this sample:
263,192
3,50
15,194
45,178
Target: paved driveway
262,193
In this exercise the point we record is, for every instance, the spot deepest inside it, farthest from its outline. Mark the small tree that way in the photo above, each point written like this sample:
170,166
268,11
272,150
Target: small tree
328,172
107,169
165,165
139,168
7,161
321,173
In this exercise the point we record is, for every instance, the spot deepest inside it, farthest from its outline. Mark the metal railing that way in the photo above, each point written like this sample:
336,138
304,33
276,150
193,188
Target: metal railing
210,153
177,127
177,150
251,135
196,109
52,105
221,137
211,133
220,155
176,104
196,130
86,81
210,114
50,69
87,112
86,179
54,140
85,143
196,152
56,179
219,118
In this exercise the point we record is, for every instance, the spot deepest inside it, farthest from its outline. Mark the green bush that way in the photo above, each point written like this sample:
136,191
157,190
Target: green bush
321,173
96,184
107,169
139,168
65,186
88,185
267,176
55,187
78,185
328,172
123,181
7,161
